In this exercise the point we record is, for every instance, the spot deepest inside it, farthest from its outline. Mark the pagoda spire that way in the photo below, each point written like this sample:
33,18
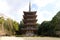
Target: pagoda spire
29,6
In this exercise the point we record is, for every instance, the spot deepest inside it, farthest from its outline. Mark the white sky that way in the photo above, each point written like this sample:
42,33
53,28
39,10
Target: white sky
46,9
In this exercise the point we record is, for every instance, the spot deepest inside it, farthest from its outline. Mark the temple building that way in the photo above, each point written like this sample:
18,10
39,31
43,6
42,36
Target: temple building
29,20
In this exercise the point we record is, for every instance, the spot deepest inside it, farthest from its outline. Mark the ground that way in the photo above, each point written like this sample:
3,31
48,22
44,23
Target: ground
29,38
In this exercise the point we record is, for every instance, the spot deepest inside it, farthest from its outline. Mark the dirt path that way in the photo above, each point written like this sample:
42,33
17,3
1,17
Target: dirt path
28,38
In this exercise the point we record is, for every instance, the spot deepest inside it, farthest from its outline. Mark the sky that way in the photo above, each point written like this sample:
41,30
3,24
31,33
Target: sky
46,9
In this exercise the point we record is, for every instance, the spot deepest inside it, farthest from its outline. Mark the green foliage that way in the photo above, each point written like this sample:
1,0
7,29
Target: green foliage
21,25
49,28
15,25
9,25
1,20
43,28
56,21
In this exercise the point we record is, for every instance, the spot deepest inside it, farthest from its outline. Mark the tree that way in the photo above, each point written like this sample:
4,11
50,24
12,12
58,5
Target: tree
15,25
21,25
55,22
2,26
45,29
8,25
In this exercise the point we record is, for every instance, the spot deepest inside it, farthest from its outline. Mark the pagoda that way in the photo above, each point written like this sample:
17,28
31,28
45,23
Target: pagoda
29,20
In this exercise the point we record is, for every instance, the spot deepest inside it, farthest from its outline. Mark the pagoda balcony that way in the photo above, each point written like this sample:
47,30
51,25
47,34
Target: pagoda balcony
29,20
29,16
30,24
30,13
29,28
34,21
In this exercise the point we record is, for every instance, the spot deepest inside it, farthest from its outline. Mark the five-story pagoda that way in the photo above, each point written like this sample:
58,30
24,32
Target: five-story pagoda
29,22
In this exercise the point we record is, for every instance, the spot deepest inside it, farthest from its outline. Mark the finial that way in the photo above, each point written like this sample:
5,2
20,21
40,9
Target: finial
29,6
